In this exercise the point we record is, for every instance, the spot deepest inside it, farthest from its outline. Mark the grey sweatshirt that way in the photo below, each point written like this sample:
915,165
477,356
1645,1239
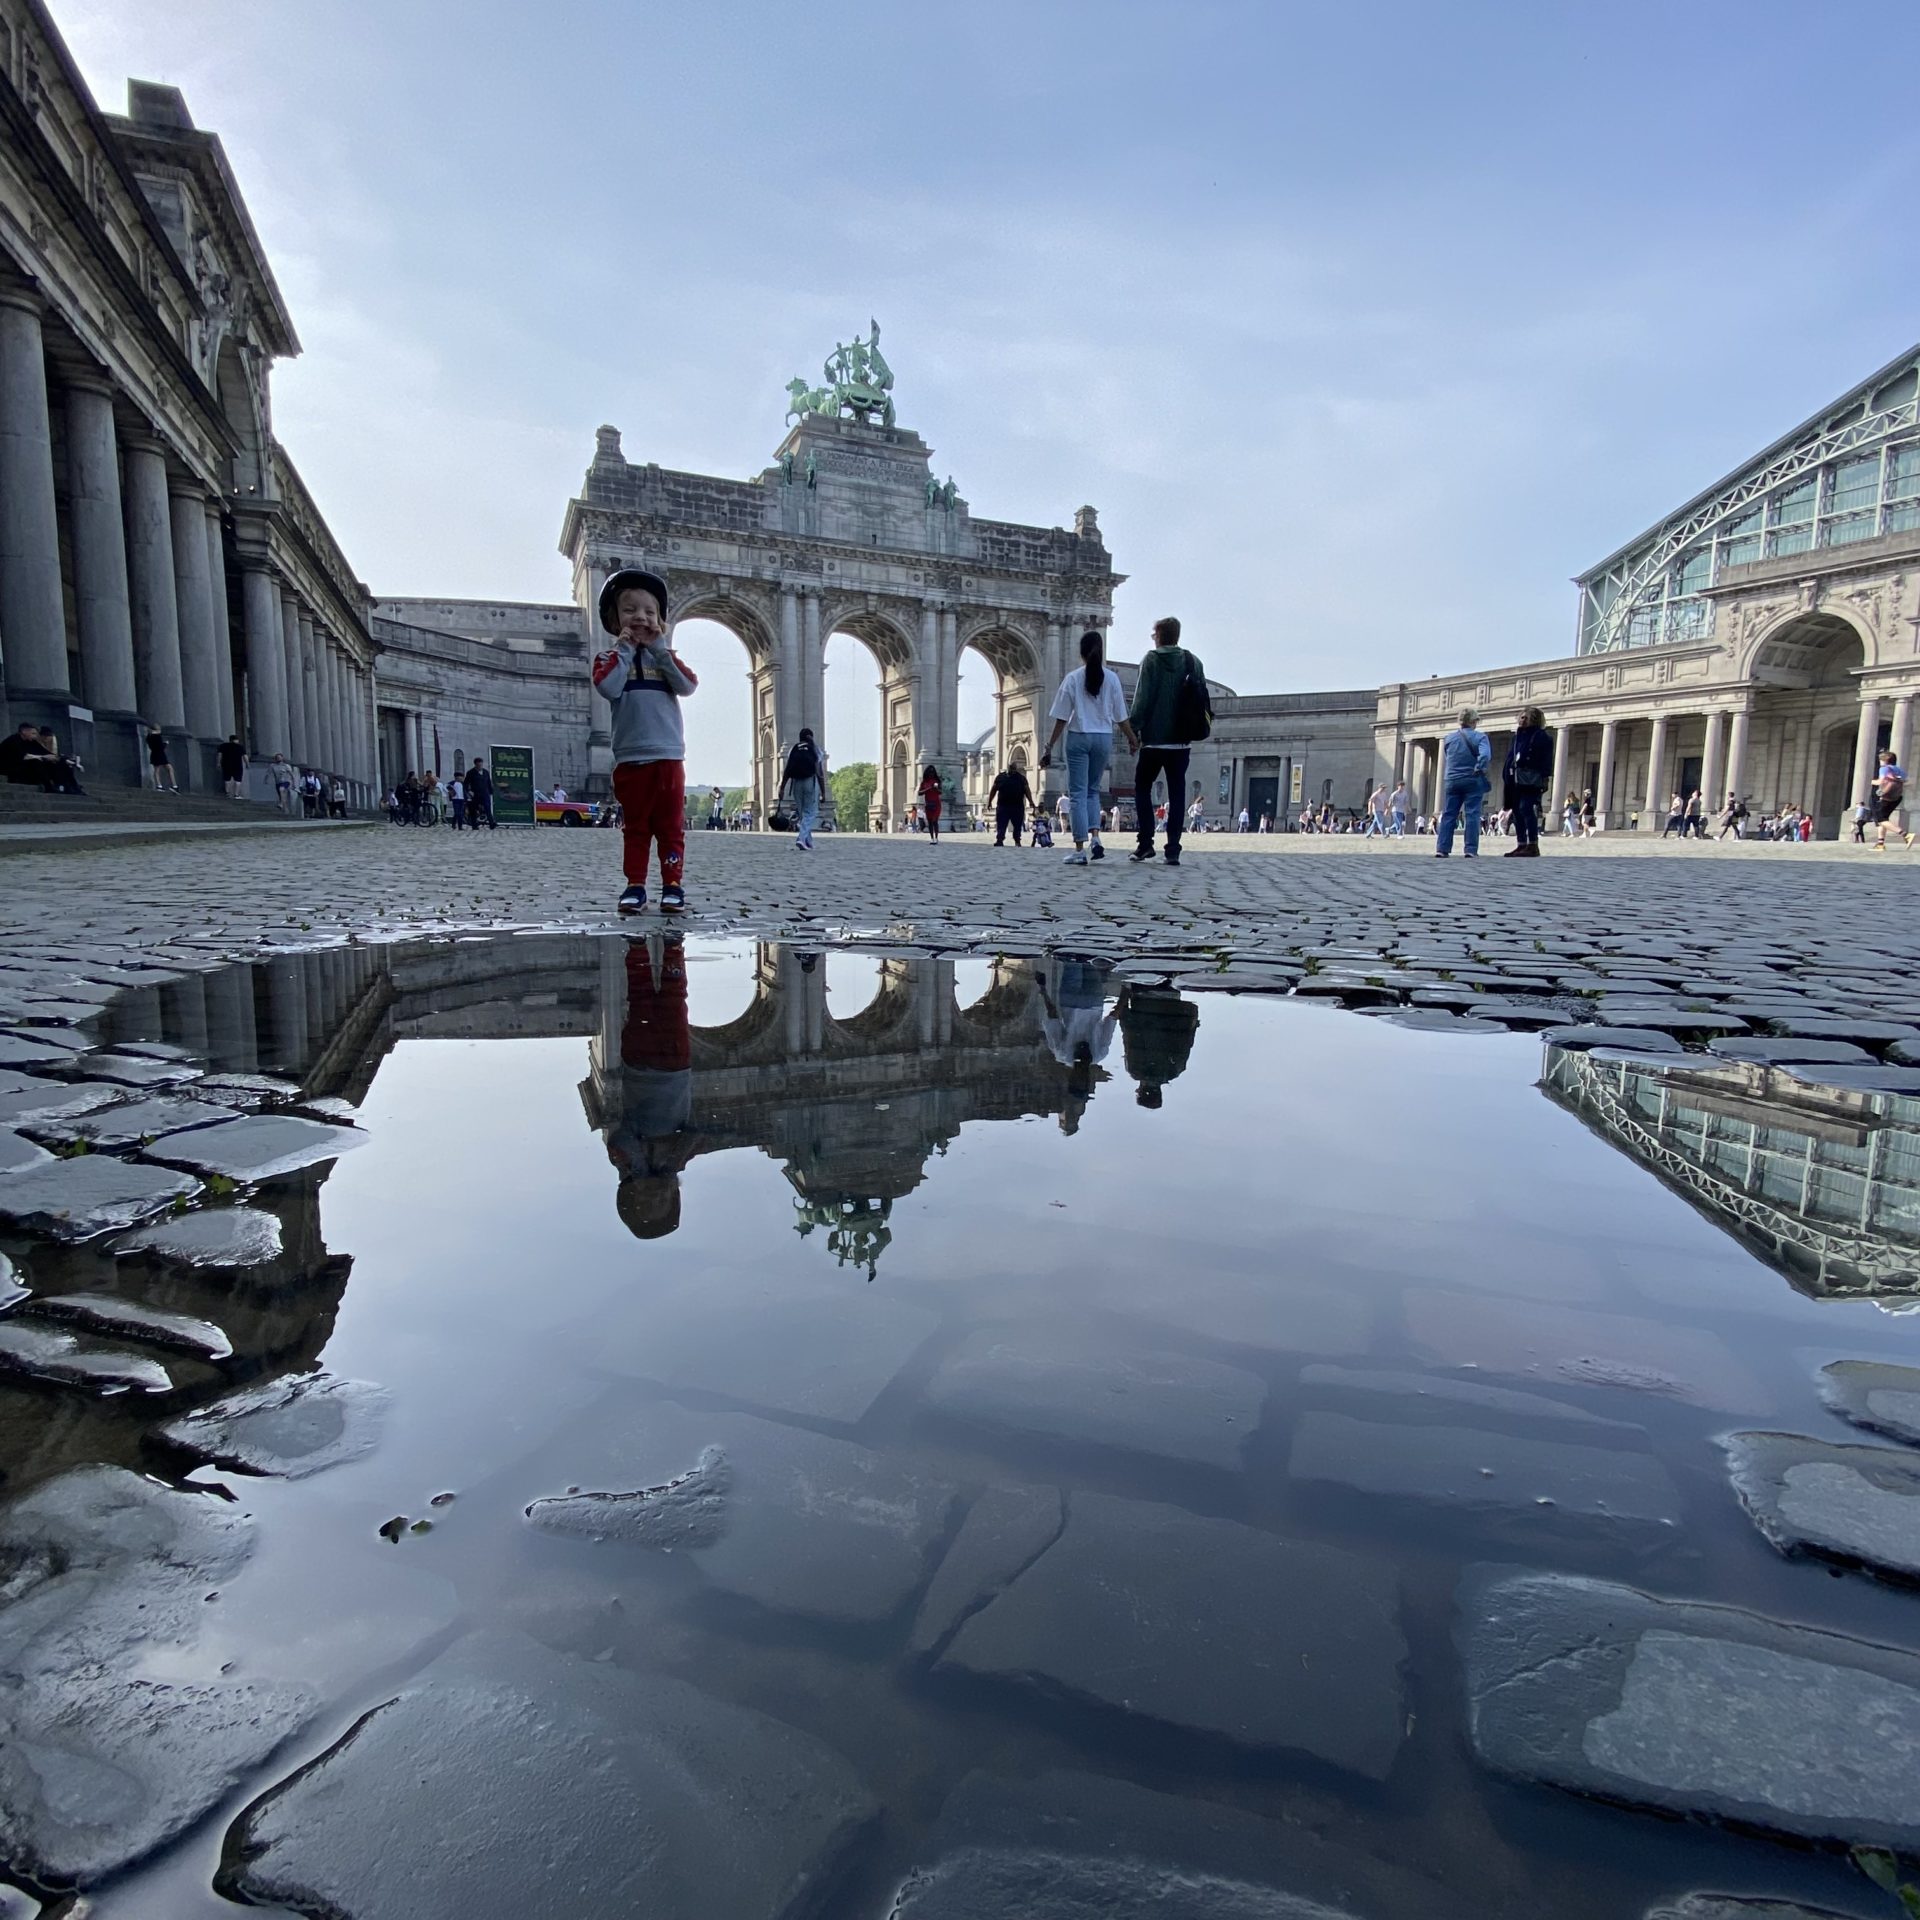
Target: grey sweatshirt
644,686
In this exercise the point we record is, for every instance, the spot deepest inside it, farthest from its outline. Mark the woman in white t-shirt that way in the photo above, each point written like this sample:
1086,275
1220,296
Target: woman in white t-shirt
1087,708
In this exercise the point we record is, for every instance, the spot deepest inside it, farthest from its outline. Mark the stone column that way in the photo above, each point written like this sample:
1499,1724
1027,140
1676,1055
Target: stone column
310,692
324,700
1654,815
337,710
97,528
786,675
302,747
1902,745
1737,753
193,594
230,1029
1711,762
949,710
1562,773
33,615
150,578
813,668
222,622
1603,793
266,664
926,690
1866,751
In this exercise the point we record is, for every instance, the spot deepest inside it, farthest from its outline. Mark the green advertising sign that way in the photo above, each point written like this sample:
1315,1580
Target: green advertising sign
513,786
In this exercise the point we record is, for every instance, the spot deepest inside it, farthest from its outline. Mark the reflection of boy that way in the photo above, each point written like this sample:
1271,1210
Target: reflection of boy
650,1141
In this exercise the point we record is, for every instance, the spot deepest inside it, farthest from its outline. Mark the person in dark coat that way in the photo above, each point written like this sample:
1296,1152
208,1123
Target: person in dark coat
1526,776
1011,797
1157,1026
480,797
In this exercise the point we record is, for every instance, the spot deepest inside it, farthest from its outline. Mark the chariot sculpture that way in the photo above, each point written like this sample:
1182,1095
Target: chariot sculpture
858,383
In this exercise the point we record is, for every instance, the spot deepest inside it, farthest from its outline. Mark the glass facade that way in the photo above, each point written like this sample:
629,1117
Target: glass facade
1869,486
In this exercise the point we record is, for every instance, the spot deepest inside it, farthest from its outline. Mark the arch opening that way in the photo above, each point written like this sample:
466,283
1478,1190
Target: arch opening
1001,708
720,721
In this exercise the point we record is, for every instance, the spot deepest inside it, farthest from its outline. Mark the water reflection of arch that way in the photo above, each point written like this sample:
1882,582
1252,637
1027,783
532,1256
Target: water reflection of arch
1822,1182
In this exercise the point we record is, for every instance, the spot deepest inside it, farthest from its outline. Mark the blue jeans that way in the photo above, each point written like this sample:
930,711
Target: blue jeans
806,803
1467,794
1087,757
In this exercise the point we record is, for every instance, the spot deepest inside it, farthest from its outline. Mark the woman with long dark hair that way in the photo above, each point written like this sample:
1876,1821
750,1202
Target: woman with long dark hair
1087,708
930,797
1527,775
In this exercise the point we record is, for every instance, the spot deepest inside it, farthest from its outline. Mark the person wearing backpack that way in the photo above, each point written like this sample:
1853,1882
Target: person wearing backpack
1171,710
805,774
1889,796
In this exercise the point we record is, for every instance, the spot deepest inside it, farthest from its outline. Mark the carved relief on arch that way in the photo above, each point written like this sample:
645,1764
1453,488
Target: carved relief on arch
745,611
1011,644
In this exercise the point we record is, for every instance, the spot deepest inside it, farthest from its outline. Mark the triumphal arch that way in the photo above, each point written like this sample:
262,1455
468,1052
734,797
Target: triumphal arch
849,530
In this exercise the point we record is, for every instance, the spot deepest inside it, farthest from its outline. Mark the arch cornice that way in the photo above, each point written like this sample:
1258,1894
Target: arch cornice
1757,624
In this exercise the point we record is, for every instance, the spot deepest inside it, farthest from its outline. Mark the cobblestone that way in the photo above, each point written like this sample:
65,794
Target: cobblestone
1801,936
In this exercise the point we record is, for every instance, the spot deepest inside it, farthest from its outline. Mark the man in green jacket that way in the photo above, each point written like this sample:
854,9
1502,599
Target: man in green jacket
1166,739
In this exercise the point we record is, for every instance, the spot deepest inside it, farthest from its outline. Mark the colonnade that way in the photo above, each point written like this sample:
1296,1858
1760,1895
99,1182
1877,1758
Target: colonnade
147,553
1635,763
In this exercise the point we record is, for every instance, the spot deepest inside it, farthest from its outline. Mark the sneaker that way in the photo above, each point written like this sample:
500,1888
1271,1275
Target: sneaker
1096,851
672,900
1075,859
1139,854
634,900
1172,858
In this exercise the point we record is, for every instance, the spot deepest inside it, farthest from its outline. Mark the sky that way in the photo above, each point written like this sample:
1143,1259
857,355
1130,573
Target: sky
1365,327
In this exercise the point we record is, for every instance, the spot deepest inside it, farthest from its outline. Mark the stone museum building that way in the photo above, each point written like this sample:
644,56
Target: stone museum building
1759,640
161,563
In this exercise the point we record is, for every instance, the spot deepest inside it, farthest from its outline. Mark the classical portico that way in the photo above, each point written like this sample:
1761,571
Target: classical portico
161,563
1760,642
850,531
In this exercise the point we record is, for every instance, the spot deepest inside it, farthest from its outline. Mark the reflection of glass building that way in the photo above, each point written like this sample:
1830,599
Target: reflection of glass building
1822,1182
1758,639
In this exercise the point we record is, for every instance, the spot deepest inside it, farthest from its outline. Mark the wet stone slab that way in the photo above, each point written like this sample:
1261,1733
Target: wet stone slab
1204,1625
1434,1399
133,1070
1573,1347
1073,1846
132,1123
1855,1504
117,1731
1641,1039
35,1099
1100,1386
218,1237
1489,1478
511,1779
129,1319
1735,1906
1881,1398
261,1147
794,1521
289,1427
60,1359
16,1152
1693,1709
1005,1531
807,1356
93,1194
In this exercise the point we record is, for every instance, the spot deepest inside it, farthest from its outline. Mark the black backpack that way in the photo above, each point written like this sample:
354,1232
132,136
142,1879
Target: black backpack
803,762
1193,707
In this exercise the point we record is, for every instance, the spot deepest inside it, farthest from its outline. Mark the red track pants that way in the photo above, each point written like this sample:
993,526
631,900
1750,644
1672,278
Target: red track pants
653,807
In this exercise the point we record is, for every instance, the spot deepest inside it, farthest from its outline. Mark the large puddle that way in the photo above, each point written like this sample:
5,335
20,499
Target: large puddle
730,1431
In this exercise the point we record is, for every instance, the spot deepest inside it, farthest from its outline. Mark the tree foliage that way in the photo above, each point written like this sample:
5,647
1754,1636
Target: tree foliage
853,794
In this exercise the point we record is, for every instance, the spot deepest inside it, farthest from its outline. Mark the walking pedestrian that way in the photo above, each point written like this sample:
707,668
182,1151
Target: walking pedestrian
233,765
337,798
1889,795
1246,821
1011,796
480,797
931,799
1171,710
803,776
643,680
1588,819
158,765
282,783
1734,815
716,810
1525,778
1397,807
457,800
1695,822
1086,708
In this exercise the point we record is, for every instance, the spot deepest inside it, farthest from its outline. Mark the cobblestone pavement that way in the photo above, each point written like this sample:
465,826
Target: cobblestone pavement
1692,940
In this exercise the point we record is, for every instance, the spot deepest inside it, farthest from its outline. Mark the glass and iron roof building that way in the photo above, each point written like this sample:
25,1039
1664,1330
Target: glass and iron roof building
1758,641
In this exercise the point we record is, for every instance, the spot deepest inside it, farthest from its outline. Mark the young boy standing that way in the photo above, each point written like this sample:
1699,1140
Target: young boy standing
644,682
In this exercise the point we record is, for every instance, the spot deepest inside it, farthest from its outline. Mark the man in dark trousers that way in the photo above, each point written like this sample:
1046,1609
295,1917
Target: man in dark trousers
1171,710
1011,796
479,796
